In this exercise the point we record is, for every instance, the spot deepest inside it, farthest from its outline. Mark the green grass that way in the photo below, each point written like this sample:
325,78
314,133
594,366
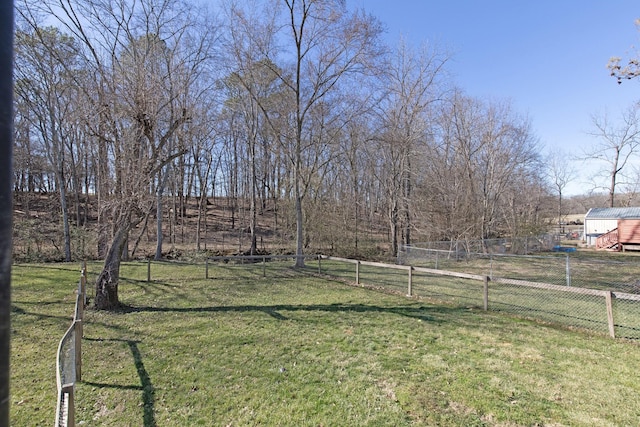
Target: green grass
42,306
290,349
583,311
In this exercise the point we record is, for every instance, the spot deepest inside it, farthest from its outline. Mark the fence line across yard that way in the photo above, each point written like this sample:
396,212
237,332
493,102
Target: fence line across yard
602,307
254,260
607,304
603,311
69,360
559,268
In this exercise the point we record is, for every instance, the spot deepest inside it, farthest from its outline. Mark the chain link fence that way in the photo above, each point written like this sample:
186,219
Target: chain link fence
558,269
541,288
597,295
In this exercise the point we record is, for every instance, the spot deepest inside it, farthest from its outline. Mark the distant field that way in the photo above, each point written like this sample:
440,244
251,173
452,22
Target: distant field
279,347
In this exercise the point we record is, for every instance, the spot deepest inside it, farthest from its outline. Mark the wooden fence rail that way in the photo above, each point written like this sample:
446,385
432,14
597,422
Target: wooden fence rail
69,359
607,296
492,296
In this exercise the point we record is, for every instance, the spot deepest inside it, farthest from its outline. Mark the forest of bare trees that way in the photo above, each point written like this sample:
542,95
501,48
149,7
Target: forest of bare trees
132,112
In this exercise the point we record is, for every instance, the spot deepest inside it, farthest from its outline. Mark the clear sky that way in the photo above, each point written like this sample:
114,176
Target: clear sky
548,57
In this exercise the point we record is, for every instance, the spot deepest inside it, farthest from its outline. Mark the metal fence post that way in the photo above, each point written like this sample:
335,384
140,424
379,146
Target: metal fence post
148,270
486,293
568,271
357,272
206,268
319,264
410,288
264,266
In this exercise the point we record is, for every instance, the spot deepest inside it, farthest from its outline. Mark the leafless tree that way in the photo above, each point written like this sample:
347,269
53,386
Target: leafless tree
322,43
479,149
144,56
560,173
45,87
253,90
412,84
617,145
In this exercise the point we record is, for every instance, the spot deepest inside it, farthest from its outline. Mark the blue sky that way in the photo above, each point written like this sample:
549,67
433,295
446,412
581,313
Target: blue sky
547,57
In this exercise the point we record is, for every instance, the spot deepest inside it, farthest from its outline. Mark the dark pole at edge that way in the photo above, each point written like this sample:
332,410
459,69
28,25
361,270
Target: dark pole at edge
6,205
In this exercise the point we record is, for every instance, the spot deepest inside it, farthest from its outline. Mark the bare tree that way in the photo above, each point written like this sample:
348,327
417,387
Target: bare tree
144,56
350,195
322,43
525,208
617,144
479,149
412,86
251,87
45,61
560,173
251,90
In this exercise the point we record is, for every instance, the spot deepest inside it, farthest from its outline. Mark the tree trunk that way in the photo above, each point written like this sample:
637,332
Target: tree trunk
62,188
406,202
103,190
201,203
393,217
159,235
299,232
560,228
612,189
65,223
254,183
107,282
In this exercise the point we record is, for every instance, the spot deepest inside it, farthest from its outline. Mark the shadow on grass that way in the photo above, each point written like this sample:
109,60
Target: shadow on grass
275,310
16,310
148,391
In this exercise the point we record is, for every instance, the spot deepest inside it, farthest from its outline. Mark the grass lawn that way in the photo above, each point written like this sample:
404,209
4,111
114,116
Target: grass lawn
288,349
